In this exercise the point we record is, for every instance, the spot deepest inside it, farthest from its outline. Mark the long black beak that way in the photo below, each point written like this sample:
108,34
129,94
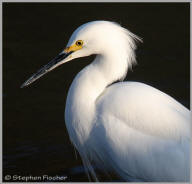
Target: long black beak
58,60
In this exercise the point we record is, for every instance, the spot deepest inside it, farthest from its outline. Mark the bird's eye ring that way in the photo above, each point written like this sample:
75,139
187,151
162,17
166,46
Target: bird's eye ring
79,43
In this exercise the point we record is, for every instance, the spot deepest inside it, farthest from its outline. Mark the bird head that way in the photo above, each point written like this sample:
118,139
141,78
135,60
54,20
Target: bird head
96,37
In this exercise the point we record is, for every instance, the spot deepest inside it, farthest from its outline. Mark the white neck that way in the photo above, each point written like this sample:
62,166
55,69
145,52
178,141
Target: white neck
86,88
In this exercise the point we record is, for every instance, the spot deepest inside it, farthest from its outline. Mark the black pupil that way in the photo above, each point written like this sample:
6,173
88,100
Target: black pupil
78,43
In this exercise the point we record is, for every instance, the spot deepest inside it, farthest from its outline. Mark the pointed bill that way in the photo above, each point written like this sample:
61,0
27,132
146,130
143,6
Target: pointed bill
58,60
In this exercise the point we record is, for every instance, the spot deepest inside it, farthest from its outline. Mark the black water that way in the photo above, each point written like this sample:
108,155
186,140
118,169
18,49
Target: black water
35,140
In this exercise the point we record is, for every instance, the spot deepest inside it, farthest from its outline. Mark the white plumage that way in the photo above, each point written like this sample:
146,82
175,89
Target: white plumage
129,128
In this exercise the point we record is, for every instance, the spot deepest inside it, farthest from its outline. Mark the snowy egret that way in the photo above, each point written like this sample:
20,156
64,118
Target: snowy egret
129,128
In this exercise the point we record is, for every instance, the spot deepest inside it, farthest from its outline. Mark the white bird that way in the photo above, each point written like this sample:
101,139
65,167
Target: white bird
129,128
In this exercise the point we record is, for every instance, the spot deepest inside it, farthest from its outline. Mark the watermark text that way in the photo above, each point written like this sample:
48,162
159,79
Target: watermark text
34,178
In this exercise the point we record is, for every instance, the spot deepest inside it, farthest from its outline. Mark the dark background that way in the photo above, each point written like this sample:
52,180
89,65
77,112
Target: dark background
35,141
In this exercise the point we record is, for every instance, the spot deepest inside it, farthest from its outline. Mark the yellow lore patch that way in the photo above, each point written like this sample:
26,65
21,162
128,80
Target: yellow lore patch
78,45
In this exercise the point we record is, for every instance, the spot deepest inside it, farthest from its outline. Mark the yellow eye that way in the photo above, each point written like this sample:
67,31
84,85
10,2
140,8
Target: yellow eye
79,43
